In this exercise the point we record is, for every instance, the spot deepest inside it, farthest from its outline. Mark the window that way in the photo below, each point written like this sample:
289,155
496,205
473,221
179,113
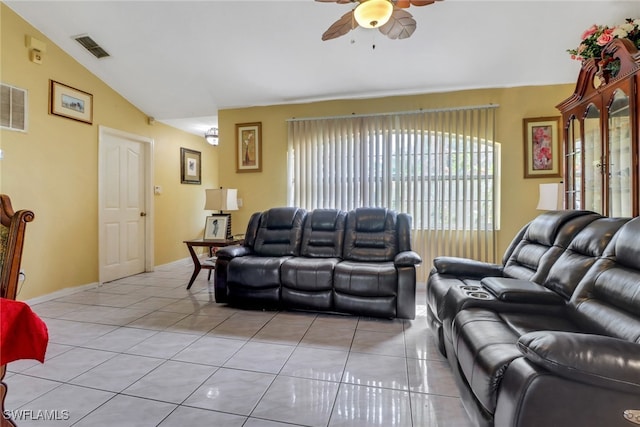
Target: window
442,167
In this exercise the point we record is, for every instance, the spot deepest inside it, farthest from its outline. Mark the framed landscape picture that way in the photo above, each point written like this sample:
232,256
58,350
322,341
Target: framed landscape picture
542,157
190,166
71,103
249,147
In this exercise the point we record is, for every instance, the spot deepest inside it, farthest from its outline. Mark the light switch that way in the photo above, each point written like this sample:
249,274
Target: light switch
157,189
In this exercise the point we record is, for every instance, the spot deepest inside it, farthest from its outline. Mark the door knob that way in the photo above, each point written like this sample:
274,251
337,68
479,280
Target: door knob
143,214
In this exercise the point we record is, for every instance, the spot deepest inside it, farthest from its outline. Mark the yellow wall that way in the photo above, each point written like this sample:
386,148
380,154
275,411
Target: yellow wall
53,168
268,188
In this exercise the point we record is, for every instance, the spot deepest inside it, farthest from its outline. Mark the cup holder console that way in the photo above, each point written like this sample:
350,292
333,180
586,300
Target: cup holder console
477,292
479,295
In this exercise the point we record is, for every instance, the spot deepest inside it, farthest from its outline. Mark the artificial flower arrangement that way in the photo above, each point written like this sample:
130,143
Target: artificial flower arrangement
596,37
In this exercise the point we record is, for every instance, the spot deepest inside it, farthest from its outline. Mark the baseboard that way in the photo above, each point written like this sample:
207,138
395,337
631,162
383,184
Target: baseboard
61,293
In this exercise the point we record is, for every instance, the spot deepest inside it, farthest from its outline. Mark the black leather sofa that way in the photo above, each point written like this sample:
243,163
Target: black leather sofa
552,335
357,262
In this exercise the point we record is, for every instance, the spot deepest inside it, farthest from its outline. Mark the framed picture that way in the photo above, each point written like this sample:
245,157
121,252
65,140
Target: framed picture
249,147
542,157
190,167
71,103
215,227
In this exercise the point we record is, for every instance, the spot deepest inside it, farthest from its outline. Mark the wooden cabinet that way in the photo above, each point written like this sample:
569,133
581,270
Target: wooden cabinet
600,135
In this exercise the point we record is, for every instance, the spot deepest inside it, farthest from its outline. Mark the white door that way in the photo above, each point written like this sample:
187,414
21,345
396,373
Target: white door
123,204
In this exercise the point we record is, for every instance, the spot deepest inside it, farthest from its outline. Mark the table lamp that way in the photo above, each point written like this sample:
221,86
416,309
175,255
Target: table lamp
222,199
550,197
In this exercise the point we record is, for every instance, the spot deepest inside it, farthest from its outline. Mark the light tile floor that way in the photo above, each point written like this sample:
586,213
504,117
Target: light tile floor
144,351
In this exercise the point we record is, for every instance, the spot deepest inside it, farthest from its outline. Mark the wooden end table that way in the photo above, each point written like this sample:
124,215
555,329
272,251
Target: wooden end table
209,263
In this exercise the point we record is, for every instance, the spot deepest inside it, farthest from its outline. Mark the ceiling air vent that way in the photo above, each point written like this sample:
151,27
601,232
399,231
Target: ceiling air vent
93,47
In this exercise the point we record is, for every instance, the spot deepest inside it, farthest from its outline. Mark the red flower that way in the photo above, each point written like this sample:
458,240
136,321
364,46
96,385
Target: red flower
545,152
590,31
540,134
605,37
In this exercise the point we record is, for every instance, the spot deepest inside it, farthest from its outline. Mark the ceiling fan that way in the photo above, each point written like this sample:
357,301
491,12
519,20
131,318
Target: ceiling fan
388,16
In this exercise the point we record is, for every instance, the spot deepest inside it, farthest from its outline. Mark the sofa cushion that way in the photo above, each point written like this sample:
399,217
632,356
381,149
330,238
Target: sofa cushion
626,247
366,288
254,280
279,232
255,271
607,301
307,283
582,252
366,279
370,235
308,274
323,233
547,236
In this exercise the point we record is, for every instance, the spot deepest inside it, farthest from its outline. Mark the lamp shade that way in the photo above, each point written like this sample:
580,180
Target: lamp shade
550,197
373,13
221,199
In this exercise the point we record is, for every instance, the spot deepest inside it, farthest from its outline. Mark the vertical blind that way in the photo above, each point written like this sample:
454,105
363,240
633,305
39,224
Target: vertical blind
440,166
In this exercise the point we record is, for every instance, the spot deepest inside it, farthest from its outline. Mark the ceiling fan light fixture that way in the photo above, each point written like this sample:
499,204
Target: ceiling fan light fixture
373,13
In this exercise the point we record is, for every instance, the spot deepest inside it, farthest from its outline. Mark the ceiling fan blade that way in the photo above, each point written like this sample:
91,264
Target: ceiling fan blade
422,2
400,26
406,3
341,27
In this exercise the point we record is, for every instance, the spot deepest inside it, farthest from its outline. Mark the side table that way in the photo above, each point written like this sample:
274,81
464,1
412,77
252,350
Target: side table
208,264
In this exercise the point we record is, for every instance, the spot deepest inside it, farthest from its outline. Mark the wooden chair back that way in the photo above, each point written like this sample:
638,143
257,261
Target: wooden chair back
12,230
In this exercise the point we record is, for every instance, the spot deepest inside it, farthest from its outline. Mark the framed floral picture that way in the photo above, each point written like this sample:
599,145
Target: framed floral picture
190,166
249,147
542,157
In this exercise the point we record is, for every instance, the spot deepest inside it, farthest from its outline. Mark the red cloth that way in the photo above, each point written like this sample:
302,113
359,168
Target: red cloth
23,335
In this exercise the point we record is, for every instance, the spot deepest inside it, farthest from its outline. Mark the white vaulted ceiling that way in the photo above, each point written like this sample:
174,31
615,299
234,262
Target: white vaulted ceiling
182,61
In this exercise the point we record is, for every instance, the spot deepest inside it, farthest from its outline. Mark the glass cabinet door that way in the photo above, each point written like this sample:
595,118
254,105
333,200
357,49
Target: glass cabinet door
618,167
593,167
573,174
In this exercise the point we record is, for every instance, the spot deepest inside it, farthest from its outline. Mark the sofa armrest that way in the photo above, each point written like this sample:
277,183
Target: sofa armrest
233,251
523,291
593,359
466,267
407,258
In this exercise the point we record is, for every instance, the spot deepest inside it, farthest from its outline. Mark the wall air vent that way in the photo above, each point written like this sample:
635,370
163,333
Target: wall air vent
13,108
93,47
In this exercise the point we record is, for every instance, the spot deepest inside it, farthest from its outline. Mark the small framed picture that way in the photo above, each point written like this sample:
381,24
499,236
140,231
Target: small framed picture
249,147
71,103
542,157
215,227
190,167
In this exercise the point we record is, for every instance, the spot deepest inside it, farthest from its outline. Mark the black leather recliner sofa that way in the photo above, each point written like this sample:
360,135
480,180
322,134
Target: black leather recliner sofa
552,335
357,262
